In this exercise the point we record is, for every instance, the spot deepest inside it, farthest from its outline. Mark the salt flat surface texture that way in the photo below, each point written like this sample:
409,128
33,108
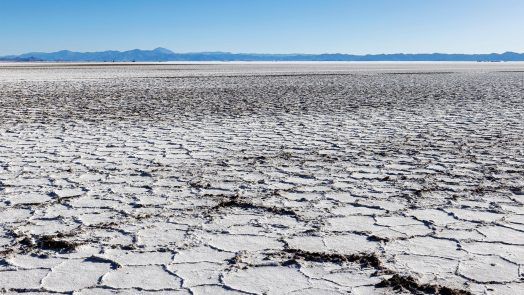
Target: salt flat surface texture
299,178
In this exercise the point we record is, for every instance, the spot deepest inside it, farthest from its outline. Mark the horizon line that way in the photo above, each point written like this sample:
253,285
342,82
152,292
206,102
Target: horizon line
259,53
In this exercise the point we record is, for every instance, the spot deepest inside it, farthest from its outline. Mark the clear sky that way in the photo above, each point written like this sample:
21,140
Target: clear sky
264,26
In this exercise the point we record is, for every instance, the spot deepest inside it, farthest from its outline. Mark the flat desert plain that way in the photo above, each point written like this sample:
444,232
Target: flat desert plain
262,178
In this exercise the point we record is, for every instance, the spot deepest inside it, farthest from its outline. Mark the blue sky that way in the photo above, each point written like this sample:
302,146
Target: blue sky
264,26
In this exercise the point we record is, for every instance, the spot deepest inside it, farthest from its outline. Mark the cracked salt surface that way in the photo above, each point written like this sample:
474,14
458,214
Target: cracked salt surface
302,178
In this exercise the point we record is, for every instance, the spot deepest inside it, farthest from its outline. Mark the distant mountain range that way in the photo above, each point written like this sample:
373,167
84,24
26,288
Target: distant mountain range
162,54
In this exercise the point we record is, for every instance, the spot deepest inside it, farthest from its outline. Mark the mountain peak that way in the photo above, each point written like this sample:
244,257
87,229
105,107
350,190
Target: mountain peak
163,54
163,50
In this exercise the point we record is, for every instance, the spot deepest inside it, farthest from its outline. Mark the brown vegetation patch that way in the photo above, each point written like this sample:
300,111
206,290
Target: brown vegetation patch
364,259
407,283
236,202
48,242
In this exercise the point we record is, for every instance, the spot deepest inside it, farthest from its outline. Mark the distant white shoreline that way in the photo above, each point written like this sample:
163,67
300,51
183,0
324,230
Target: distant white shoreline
248,62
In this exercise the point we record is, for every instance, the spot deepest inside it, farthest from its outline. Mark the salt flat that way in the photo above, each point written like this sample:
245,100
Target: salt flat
253,178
